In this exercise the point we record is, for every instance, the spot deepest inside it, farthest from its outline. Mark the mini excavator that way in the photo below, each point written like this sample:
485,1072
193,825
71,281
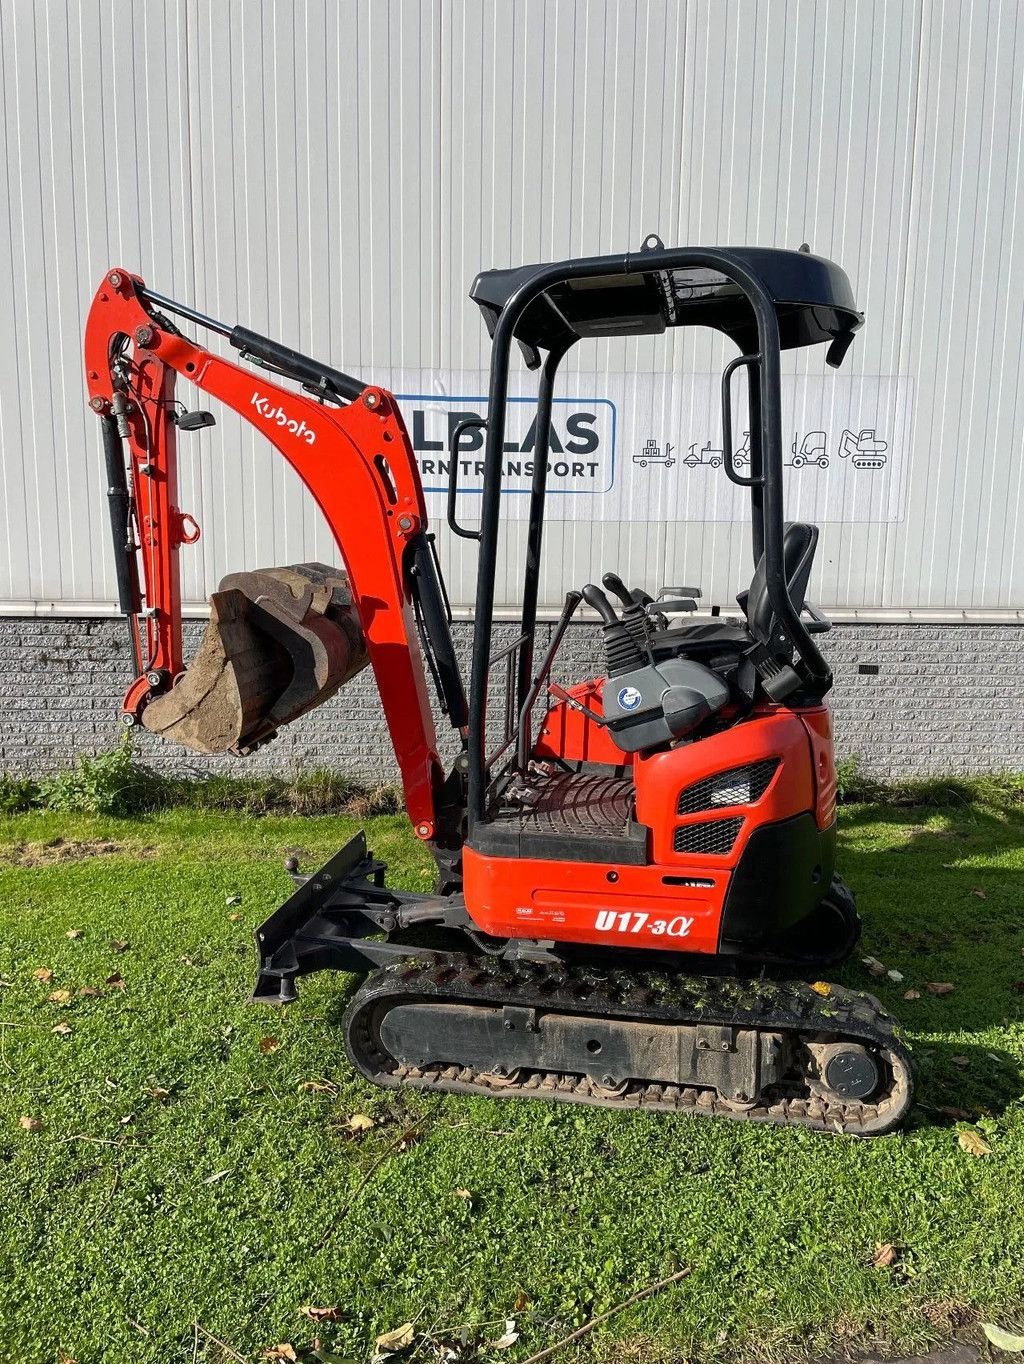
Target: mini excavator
635,873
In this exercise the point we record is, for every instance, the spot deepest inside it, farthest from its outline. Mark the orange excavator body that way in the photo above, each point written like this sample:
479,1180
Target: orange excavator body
675,813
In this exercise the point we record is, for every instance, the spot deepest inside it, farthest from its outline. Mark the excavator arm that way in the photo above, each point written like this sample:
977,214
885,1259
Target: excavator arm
348,444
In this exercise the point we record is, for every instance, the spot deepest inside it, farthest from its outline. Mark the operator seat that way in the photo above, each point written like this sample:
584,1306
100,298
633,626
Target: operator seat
714,637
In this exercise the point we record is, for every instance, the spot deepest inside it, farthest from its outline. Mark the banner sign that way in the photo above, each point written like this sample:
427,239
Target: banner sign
648,447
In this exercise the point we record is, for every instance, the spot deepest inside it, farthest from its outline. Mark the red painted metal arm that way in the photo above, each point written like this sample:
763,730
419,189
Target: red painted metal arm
356,461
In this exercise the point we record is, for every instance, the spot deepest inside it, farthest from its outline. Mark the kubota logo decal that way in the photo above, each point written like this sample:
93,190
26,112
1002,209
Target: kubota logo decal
275,414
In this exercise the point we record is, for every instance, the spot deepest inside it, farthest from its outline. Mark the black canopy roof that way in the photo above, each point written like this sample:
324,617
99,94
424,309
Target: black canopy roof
812,297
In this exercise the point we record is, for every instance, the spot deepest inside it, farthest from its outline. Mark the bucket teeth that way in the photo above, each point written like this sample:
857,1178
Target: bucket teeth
279,642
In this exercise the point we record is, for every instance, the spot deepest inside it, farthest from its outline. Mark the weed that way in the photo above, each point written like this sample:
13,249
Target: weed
112,783
18,794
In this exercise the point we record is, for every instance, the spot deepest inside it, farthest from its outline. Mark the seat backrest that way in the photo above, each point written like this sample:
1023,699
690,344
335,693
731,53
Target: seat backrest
799,541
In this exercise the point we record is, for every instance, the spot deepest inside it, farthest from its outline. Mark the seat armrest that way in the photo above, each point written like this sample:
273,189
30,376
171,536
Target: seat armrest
819,622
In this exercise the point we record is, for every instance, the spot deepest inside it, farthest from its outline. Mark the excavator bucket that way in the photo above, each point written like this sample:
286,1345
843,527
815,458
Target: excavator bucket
279,642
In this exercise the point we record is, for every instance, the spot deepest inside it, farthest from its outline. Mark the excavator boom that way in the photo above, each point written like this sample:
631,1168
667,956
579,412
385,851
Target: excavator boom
280,641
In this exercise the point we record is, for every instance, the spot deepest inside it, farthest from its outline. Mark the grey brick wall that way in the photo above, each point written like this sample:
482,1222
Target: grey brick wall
947,698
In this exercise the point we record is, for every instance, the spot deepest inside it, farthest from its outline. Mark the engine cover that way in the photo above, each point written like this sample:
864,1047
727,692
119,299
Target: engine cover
655,704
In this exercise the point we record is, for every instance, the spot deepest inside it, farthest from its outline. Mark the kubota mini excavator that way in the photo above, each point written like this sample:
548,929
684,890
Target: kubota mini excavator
635,872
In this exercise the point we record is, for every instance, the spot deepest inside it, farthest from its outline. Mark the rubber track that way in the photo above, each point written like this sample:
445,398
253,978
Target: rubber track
719,1001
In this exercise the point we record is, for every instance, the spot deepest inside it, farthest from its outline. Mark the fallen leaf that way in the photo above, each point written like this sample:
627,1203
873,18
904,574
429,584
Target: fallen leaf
234,918
120,944
88,992
75,933
962,1061
128,1118
957,1114
161,1095
979,892
359,1122
268,1045
398,1339
410,1138
319,1087
506,1341
821,987
233,900
895,975
216,1178
876,967
62,1029
30,1124
939,987
115,981
319,1314
885,1255
59,997
1003,1340
463,1193
43,973
283,1351
911,994
971,1141
522,1301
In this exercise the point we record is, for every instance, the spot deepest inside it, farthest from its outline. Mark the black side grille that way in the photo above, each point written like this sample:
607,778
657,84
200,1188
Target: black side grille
713,836
738,786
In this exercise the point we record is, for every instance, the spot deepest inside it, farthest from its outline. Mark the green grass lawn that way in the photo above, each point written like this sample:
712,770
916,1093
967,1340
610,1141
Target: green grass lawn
194,1162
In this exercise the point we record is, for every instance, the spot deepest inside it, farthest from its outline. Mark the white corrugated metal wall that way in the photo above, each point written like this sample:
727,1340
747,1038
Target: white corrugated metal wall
335,172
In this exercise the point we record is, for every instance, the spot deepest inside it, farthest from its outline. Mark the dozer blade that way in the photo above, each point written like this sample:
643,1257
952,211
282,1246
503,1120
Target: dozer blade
280,641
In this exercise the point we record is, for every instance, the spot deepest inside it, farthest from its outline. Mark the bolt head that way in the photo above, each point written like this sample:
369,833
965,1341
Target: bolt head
144,336
608,1081
372,400
405,523
423,830
115,279
127,720
97,404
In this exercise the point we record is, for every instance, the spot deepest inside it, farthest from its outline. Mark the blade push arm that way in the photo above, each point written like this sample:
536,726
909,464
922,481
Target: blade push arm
355,460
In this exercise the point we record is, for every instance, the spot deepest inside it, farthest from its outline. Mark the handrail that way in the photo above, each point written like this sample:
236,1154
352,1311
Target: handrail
466,424
755,480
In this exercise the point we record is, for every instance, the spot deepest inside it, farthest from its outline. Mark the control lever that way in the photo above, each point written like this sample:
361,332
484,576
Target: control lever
675,599
678,592
634,614
598,602
621,650
676,605
614,583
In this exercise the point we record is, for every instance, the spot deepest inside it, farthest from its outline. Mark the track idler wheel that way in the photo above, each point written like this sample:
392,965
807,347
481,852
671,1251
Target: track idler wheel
279,642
